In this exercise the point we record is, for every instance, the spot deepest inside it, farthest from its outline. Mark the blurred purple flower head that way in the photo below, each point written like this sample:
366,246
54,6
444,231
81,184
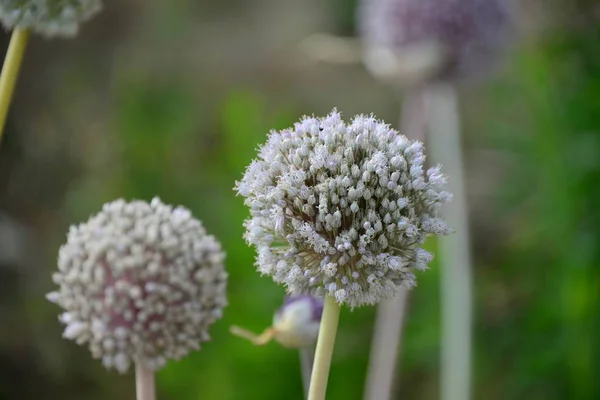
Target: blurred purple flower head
434,39
49,18
140,282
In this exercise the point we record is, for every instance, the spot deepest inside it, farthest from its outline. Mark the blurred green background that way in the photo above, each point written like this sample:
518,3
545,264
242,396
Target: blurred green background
171,98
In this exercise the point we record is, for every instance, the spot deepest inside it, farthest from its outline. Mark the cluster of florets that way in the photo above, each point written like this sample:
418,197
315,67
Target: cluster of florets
140,283
48,17
468,34
342,210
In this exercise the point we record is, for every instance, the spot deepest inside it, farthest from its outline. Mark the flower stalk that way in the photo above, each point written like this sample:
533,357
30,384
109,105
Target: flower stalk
307,358
387,333
455,254
324,351
144,384
10,72
385,347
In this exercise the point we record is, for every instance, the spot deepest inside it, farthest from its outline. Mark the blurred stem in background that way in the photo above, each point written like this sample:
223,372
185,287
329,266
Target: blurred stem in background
324,351
454,250
10,72
456,41
385,344
387,333
307,358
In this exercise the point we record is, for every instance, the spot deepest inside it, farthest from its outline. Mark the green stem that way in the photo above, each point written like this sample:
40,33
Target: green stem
10,72
144,384
324,351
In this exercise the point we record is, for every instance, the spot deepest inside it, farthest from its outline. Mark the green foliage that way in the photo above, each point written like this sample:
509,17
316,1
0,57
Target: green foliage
537,287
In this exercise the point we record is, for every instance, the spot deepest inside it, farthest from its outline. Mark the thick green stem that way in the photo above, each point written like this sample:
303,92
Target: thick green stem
324,351
10,72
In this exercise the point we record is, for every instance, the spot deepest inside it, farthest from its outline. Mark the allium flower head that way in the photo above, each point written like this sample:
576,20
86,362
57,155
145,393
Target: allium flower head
140,283
342,209
48,17
467,34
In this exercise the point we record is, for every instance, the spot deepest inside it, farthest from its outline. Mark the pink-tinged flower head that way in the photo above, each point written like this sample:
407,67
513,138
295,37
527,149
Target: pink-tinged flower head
140,283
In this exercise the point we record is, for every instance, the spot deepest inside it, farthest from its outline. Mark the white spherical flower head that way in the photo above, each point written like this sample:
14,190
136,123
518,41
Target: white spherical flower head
49,18
140,283
342,209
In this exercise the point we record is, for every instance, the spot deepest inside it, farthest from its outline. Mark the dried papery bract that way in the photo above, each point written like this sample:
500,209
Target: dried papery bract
49,18
341,210
140,283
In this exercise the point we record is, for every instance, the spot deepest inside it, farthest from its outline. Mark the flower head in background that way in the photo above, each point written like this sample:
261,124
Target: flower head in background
49,18
295,324
433,39
140,283
342,209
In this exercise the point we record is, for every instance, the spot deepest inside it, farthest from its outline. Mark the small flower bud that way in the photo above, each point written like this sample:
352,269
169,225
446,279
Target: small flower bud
295,324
